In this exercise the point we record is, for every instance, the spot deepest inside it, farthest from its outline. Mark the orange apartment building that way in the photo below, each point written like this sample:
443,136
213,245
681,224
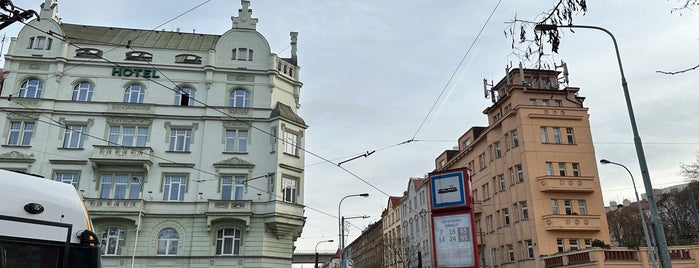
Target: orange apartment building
533,170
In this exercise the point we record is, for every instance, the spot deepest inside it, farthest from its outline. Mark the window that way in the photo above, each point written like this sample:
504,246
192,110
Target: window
175,186
489,223
582,207
559,244
236,141
180,140
549,169
569,134
290,143
239,98
573,244
557,135
576,169
558,103
31,88
42,42
139,56
512,175
21,133
498,150
544,135
530,249
545,103
228,241
532,102
232,187
184,96
188,58
88,53
112,241
511,252
554,206
520,173
128,136
74,136
475,194
242,54
120,186
525,210
562,169
134,94
567,204
83,92
515,139
289,189
588,243
167,242
506,215
68,177
486,191
501,178
481,161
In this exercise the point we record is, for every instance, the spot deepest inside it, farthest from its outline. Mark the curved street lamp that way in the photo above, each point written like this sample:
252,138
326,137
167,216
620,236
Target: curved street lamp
655,222
316,250
341,230
640,211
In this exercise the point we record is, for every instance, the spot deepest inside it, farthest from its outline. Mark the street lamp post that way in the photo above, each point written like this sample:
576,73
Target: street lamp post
316,250
640,211
655,222
140,215
341,230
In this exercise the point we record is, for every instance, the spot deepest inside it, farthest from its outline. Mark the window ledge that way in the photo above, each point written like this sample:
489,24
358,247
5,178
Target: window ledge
16,146
241,153
71,149
292,155
178,152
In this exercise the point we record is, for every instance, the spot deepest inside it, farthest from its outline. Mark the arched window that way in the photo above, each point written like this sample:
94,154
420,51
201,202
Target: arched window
88,53
31,88
139,56
134,94
83,92
112,241
239,98
188,94
228,242
167,242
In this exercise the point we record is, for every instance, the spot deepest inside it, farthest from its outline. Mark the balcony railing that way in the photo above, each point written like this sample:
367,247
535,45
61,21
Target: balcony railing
566,184
557,222
681,256
103,154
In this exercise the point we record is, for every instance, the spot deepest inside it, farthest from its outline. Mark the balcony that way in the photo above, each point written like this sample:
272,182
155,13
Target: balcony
557,222
111,155
680,256
112,206
565,184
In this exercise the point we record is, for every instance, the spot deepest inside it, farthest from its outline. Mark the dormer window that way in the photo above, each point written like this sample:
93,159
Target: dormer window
88,53
40,42
139,56
188,58
242,54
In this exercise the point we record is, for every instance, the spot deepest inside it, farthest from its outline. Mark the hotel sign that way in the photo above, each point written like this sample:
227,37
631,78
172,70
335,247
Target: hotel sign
135,72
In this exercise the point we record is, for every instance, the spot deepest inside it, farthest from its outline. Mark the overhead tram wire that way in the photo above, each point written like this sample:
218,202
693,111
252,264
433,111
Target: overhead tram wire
456,70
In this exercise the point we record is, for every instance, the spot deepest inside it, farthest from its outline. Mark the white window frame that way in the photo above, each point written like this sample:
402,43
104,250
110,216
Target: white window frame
562,169
122,136
549,168
185,90
239,98
180,139
544,135
511,252
291,143
525,210
554,207
290,190
31,88
237,140
576,169
568,206
557,135
582,207
134,93
559,245
515,138
83,91
570,136
506,216
112,241
224,239
174,187
573,244
498,150
120,186
69,177
232,187
530,249
520,173
20,133
74,136
167,242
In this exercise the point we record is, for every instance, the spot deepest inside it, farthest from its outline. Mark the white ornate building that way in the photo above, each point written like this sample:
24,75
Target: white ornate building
415,224
185,146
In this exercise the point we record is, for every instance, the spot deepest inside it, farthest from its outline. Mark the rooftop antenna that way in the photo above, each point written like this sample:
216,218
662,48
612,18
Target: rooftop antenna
565,71
490,96
507,75
521,75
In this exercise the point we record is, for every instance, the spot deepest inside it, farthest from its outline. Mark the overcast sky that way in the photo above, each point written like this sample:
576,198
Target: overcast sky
372,70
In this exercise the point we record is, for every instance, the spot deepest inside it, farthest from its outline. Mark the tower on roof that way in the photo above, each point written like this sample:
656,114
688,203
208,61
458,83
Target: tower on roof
244,20
49,9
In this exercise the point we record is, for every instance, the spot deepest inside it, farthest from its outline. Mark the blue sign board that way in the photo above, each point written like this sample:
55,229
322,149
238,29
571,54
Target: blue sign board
448,190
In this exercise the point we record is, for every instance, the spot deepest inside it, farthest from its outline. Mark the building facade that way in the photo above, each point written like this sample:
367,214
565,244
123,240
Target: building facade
534,174
186,147
368,249
416,224
392,234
